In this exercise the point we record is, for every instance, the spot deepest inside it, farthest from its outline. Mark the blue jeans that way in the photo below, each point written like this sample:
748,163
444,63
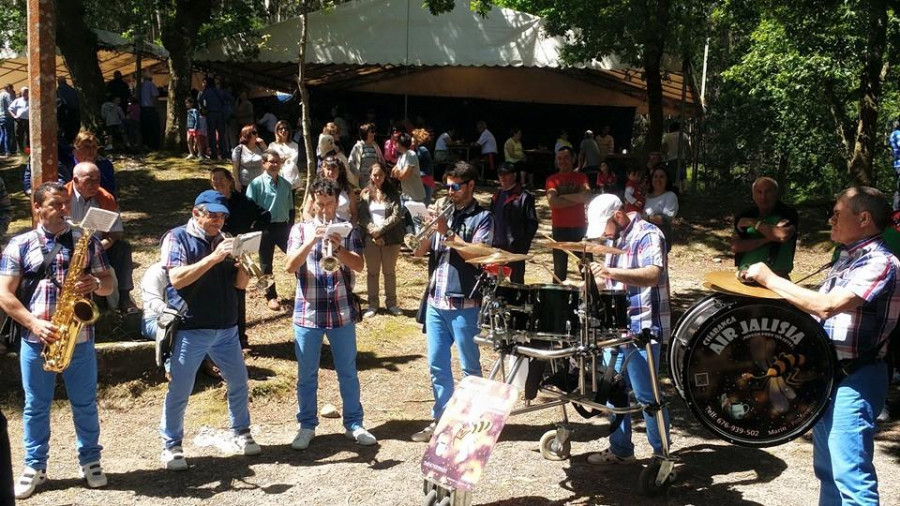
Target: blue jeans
637,377
443,327
191,347
308,348
80,379
7,134
844,438
148,328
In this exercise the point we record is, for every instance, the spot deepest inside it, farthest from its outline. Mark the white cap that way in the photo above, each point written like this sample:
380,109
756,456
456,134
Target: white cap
600,210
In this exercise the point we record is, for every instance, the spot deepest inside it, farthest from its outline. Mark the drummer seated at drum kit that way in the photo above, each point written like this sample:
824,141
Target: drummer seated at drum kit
642,271
857,306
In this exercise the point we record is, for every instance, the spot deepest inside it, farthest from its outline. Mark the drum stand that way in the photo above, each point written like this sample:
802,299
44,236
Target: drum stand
585,350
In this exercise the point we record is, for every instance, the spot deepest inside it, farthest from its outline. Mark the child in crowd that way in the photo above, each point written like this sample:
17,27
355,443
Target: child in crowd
113,116
133,122
193,125
606,179
203,136
634,192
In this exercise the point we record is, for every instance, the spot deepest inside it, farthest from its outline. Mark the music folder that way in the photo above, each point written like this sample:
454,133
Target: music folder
246,243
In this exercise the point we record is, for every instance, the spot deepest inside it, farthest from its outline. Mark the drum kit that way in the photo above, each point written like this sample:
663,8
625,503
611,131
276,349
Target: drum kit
563,332
753,369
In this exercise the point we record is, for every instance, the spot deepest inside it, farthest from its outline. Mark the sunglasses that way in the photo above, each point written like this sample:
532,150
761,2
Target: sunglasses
456,186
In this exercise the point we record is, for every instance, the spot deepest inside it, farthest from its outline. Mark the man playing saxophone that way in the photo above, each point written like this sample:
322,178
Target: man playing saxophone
34,269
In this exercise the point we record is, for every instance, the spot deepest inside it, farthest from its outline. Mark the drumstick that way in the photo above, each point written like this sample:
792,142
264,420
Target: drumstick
536,262
577,260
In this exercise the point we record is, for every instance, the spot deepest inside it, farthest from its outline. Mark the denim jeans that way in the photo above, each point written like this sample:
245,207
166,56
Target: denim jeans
7,134
443,327
844,438
191,347
148,327
638,378
80,379
308,348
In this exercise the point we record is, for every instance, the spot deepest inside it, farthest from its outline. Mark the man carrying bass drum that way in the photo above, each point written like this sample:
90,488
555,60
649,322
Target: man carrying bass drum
858,306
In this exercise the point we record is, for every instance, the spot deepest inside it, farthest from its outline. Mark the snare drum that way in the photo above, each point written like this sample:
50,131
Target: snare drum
514,305
554,311
755,372
610,309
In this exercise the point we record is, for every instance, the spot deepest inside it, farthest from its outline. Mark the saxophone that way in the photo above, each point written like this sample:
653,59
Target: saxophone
73,311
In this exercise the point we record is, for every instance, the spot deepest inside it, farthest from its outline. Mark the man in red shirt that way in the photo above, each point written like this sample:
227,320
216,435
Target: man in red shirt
567,193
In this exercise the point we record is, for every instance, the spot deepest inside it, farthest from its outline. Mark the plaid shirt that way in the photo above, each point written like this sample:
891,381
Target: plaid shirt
648,307
322,299
25,253
477,227
869,270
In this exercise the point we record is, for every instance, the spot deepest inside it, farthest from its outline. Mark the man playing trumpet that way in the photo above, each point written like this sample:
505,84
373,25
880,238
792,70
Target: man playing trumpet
33,268
203,286
325,268
452,311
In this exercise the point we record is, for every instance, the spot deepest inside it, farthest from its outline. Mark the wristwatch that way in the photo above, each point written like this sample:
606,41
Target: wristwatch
449,234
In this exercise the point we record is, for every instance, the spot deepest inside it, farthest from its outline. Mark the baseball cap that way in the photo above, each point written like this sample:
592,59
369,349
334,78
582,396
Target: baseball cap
506,167
600,210
214,201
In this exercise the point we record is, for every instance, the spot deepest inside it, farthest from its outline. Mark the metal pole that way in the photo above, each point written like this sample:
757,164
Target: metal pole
42,92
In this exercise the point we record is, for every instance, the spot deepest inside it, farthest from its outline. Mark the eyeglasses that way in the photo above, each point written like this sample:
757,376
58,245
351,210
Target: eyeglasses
282,129
216,216
456,186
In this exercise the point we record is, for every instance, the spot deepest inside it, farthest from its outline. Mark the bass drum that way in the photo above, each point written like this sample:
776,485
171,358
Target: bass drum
755,372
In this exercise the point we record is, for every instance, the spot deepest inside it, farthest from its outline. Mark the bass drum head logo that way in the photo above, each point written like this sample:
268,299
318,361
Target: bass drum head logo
758,374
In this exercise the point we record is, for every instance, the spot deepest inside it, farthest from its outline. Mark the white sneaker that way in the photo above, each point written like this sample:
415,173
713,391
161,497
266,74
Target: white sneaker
304,436
396,311
93,473
189,157
173,459
608,457
362,436
246,445
370,313
29,481
424,435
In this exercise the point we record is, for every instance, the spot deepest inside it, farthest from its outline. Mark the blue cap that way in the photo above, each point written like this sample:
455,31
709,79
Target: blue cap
214,201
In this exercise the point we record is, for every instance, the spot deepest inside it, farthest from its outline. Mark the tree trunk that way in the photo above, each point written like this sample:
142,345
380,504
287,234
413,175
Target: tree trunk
860,165
179,37
657,27
78,46
304,96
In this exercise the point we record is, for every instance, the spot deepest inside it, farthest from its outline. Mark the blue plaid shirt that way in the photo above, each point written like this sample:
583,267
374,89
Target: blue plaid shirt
25,253
648,307
322,299
894,140
869,270
476,228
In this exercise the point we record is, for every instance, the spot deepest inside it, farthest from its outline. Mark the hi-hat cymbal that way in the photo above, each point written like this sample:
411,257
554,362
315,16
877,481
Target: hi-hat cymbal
727,282
587,247
475,249
498,257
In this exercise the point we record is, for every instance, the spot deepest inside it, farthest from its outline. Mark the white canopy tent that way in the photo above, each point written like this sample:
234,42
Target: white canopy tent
398,47
115,53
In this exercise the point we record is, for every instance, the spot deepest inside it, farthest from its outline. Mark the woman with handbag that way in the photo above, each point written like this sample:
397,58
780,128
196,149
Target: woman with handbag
381,221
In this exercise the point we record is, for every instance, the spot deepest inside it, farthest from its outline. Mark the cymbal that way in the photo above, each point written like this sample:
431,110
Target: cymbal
588,247
498,257
727,282
475,249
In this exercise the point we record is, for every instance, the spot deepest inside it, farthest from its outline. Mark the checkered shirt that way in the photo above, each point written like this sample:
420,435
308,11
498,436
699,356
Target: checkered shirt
648,307
475,226
25,254
322,299
869,270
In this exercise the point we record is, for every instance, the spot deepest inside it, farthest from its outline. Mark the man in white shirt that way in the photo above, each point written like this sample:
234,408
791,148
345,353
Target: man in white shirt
149,118
488,144
442,146
19,109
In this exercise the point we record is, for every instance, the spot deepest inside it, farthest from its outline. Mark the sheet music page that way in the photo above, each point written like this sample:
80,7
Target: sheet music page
246,243
417,209
99,220
341,229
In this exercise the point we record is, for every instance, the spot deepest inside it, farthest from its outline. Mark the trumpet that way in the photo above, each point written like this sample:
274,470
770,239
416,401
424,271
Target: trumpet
412,240
329,263
263,280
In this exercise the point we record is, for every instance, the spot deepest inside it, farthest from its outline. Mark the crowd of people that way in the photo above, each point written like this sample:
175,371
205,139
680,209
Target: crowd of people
373,188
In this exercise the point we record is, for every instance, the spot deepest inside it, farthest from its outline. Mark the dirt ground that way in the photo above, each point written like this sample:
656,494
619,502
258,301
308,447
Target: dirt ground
396,395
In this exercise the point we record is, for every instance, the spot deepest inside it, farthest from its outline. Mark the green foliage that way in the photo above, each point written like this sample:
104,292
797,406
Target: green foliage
785,92
13,32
